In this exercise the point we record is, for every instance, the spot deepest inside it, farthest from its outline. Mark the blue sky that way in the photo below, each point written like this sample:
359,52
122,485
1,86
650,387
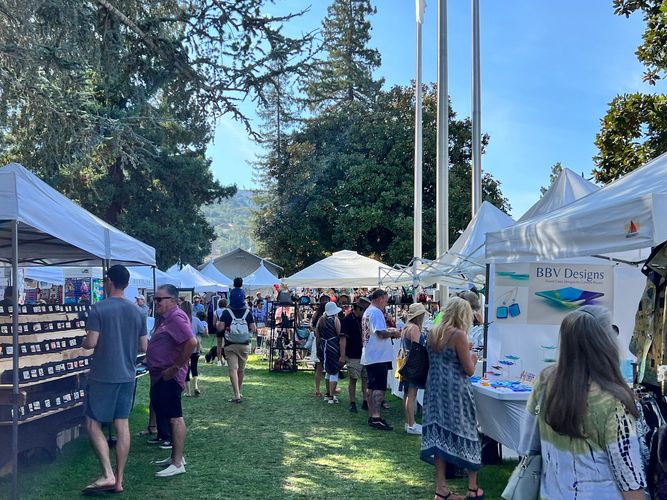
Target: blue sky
549,70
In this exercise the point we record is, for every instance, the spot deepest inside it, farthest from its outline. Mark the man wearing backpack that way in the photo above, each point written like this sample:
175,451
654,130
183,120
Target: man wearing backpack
237,325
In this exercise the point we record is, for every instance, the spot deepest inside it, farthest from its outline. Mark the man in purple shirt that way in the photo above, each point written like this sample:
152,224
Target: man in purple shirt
167,357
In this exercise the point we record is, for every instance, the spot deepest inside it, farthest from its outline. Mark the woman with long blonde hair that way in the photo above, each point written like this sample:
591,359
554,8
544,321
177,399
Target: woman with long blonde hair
449,432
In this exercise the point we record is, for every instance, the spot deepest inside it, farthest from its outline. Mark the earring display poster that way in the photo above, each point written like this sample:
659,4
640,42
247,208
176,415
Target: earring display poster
544,293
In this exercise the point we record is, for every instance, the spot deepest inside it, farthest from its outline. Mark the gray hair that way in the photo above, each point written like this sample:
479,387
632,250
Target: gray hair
170,289
472,299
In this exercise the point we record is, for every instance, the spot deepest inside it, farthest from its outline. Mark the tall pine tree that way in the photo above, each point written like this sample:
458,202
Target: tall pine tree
346,75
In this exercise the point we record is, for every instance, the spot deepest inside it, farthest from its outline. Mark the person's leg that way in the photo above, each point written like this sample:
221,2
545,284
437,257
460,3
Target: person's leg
441,487
375,403
122,449
410,401
220,350
352,390
101,447
178,431
161,420
243,359
233,361
333,382
364,387
194,367
473,485
318,378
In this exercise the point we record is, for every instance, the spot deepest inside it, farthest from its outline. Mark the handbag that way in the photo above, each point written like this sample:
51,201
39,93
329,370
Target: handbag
524,483
401,358
415,369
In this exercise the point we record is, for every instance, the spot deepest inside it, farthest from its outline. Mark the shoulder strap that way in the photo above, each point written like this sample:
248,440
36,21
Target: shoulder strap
245,315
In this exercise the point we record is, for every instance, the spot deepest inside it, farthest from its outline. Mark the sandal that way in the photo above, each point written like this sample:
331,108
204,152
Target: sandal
147,431
444,497
475,491
234,400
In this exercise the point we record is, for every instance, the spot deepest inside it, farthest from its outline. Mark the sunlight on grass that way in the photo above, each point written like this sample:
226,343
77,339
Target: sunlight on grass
280,443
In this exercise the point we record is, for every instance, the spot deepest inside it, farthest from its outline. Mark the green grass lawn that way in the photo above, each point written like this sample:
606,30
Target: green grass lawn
281,442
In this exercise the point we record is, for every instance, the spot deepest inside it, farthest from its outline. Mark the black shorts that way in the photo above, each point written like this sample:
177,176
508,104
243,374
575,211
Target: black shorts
166,398
377,376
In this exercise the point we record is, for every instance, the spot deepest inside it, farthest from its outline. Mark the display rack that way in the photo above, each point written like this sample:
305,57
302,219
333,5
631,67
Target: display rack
53,369
282,344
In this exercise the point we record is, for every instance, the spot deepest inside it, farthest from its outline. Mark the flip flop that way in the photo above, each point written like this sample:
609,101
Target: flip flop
234,400
97,488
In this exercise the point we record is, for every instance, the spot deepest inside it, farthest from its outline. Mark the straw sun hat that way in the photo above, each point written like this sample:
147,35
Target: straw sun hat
415,310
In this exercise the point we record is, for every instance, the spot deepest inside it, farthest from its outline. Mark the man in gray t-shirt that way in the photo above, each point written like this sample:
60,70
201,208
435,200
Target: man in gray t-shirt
116,330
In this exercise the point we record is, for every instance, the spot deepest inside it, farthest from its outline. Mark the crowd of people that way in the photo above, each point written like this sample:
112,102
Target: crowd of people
581,414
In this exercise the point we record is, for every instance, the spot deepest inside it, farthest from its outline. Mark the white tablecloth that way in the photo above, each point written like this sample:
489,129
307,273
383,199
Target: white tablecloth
499,414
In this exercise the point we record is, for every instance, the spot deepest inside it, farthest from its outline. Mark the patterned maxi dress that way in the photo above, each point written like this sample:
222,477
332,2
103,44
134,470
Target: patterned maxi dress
450,420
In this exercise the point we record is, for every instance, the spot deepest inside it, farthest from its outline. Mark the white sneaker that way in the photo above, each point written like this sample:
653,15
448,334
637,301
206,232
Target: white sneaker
172,470
415,429
166,461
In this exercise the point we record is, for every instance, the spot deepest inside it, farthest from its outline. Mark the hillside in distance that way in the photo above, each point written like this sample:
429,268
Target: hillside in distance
232,220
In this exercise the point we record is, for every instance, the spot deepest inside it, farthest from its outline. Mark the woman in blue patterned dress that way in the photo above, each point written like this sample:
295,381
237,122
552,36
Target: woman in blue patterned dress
449,432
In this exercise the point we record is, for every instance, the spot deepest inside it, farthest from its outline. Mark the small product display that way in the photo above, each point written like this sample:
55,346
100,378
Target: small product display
508,307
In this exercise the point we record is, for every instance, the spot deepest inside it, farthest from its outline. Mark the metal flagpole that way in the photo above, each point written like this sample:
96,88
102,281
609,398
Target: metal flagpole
15,358
476,114
417,241
442,152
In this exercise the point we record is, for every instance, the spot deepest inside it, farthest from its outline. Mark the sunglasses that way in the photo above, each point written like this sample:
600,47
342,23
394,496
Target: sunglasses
160,299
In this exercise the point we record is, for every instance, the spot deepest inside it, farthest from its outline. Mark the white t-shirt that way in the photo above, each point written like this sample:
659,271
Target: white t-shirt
376,349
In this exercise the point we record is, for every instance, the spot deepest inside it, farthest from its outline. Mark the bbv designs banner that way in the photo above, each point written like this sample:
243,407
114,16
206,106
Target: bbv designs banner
545,293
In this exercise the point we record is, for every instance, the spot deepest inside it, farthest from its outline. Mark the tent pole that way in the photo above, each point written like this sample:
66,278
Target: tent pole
486,318
154,290
15,358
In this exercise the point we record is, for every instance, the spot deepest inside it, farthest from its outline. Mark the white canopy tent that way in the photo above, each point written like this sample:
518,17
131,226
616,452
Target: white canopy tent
261,279
140,277
462,263
191,278
343,269
56,231
39,226
627,214
569,187
212,273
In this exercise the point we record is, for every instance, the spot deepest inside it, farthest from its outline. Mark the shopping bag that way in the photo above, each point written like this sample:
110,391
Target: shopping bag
401,358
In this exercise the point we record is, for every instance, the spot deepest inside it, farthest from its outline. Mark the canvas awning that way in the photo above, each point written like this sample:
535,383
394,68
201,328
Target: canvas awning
625,215
344,269
53,230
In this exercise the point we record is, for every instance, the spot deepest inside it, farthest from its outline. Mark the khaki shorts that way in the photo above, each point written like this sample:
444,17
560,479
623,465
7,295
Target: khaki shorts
237,355
355,368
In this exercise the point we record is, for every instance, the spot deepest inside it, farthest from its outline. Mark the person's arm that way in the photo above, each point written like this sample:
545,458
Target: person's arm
90,340
468,360
380,327
143,344
622,447
342,339
183,357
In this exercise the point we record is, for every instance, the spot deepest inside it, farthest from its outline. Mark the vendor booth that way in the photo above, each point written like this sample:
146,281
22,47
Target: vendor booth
193,279
261,280
587,252
212,273
39,227
239,263
343,269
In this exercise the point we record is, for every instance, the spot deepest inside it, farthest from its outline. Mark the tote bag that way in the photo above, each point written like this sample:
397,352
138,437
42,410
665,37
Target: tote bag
415,369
